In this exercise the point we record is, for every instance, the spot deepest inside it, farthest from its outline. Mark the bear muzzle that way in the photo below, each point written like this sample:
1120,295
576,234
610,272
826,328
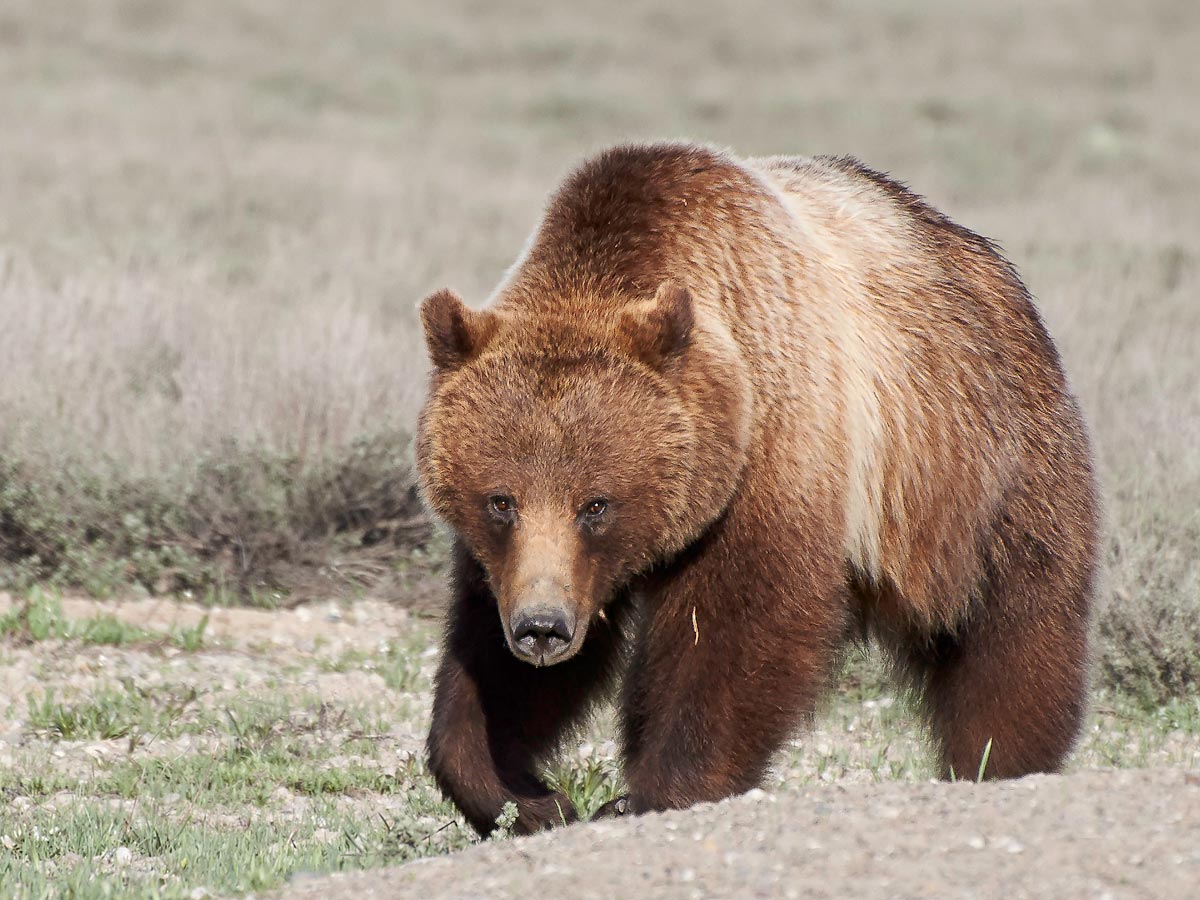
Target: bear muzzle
542,632
542,636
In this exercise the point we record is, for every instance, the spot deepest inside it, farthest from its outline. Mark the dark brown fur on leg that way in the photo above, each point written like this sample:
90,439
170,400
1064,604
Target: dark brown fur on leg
742,650
495,717
1016,673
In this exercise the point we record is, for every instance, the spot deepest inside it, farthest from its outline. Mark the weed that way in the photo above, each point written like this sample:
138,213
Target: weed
108,713
983,762
589,780
505,822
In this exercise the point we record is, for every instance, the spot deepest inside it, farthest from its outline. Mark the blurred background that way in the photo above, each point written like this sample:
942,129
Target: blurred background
216,220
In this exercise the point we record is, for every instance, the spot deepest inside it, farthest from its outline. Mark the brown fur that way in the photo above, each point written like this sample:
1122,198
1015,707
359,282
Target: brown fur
816,409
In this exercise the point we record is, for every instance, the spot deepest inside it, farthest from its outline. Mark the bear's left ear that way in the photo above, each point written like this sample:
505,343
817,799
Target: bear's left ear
660,330
454,333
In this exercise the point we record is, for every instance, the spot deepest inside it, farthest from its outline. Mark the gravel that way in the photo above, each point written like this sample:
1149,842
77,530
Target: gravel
1101,834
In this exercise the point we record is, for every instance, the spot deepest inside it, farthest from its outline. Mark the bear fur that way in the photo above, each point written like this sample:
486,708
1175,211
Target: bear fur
722,419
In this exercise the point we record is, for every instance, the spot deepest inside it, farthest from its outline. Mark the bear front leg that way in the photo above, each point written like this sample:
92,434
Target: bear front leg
495,718
741,639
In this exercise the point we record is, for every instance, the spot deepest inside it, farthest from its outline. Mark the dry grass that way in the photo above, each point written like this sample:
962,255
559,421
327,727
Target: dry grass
214,223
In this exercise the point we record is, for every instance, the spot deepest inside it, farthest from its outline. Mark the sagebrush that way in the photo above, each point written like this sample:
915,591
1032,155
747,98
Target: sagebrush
214,230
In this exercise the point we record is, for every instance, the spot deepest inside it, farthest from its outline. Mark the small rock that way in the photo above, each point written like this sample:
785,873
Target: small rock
122,856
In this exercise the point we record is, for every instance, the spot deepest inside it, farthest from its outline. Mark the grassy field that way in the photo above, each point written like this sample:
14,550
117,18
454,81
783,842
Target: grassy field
215,222
156,748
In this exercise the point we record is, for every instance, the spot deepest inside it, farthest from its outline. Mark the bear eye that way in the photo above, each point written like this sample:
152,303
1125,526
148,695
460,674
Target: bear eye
595,508
502,506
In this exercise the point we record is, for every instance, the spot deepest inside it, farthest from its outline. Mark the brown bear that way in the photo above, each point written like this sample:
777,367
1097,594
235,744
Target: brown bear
723,418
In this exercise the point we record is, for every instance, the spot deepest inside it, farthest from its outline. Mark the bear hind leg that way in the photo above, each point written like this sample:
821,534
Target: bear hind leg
1005,695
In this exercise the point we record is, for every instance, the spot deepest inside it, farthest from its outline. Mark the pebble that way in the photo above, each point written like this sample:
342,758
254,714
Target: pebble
1011,845
122,856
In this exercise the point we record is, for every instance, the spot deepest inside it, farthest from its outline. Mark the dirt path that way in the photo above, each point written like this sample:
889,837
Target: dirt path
1113,834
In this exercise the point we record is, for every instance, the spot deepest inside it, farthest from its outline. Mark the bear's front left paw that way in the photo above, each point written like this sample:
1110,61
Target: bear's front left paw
615,808
546,812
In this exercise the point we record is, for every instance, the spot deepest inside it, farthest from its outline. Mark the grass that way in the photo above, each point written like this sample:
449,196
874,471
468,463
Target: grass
40,617
77,852
274,799
106,715
590,778
398,663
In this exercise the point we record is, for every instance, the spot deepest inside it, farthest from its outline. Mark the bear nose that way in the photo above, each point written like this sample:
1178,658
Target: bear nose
541,635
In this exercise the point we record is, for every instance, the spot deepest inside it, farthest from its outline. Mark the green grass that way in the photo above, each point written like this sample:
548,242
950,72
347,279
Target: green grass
40,617
399,663
589,780
106,714
212,819
73,851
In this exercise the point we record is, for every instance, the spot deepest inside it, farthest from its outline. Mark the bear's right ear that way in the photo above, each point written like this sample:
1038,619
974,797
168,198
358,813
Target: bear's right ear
454,333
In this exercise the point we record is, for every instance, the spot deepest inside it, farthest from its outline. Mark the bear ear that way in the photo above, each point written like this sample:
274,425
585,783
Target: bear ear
454,333
661,329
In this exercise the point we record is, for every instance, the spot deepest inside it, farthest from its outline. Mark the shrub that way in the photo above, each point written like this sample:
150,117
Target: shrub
225,522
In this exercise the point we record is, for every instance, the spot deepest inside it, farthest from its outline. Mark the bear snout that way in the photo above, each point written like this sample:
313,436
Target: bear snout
542,635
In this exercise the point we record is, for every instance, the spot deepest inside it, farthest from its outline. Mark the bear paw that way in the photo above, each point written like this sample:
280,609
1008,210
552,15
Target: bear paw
545,813
613,809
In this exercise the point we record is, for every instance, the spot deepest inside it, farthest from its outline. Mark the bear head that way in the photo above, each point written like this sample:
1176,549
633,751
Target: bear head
571,448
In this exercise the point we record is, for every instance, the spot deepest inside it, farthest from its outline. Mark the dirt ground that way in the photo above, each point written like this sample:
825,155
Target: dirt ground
1129,834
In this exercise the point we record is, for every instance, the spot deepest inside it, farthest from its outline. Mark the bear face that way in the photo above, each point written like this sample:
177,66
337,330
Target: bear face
579,470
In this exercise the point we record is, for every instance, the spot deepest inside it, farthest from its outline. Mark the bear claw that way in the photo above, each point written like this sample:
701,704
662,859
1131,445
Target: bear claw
618,806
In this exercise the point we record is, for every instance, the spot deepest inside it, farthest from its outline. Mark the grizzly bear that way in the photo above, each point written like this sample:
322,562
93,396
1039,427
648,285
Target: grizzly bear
723,418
